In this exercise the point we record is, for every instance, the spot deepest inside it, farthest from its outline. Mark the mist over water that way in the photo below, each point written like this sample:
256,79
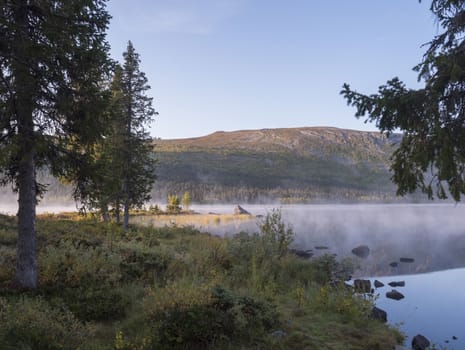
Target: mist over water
431,234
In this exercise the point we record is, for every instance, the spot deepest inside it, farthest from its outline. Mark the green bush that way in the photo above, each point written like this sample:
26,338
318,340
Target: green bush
66,265
277,236
7,263
190,317
141,262
85,279
34,324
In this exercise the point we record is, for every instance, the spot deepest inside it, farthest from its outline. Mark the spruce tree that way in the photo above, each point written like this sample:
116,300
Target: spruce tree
53,56
138,164
431,155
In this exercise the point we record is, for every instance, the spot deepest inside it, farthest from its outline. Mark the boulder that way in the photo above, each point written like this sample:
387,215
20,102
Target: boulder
419,342
397,284
362,251
238,210
378,284
394,294
394,264
379,314
321,247
304,254
407,260
362,286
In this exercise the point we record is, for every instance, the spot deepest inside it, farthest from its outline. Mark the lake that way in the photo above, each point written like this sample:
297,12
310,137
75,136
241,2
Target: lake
434,305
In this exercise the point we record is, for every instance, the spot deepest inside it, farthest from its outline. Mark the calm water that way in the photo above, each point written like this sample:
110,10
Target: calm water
434,305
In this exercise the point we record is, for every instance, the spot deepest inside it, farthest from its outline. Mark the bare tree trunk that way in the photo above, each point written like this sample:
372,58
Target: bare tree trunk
26,254
117,212
105,213
126,215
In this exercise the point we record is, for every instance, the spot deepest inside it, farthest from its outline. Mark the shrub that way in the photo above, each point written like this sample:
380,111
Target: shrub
173,204
141,262
276,235
85,279
195,317
33,324
7,263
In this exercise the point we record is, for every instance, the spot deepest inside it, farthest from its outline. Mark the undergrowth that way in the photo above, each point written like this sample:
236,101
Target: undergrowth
101,287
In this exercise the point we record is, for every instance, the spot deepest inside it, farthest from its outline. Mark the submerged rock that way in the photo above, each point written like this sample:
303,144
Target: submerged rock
378,284
407,260
379,314
321,247
397,284
362,286
394,264
361,251
238,210
420,342
394,294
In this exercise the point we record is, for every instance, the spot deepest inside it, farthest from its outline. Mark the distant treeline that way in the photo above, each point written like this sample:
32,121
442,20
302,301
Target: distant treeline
216,193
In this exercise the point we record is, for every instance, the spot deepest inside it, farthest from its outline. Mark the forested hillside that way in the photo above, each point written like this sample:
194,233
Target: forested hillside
290,165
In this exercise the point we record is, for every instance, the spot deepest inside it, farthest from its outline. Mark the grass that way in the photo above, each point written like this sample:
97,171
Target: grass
197,220
175,287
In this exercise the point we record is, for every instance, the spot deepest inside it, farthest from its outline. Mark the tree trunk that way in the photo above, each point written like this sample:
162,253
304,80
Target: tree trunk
126,215
104,212
26,254
117,212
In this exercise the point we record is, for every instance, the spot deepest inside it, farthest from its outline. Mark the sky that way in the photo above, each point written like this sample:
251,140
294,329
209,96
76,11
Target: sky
250,64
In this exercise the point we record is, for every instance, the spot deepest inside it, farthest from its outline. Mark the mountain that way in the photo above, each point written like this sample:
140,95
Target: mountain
308,164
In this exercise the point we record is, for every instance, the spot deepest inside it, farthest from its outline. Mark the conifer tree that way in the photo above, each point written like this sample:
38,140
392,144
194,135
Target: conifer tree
53,55
138,164
431,155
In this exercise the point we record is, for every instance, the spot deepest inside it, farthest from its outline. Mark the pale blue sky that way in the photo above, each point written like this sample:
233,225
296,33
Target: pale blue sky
251,64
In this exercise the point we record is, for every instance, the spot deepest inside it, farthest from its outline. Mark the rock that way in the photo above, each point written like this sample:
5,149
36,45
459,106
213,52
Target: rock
238,210
362,286
419,342
362,251
397,284
259,216
321,247
379,314
279,334
394,264
304,254
454,337
378,284
407,260
394,294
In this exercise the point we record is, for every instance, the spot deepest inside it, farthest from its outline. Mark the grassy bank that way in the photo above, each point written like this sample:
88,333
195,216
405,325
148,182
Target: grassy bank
176,288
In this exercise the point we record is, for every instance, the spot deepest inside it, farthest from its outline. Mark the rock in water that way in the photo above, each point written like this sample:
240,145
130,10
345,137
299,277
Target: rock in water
407,260
379,314
378,284
394,294
362,286
419,342
362,251
397,284
321,247
394,264
238,210
304,254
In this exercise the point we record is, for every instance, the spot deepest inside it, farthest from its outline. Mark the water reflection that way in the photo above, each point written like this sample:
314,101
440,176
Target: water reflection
434,305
